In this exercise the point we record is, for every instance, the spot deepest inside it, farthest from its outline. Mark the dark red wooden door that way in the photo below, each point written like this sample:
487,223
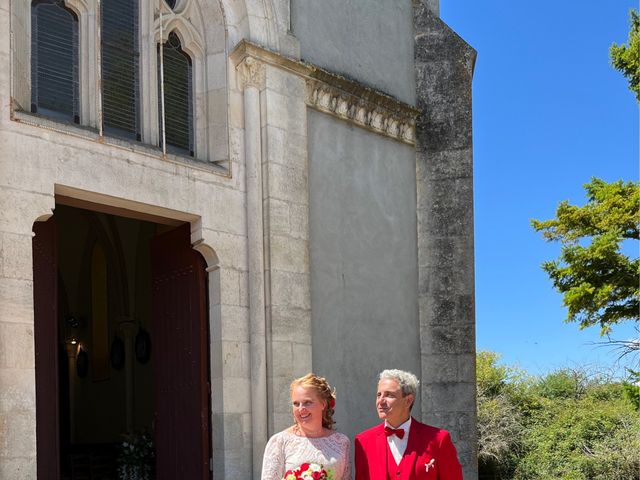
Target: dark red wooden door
180,348
45,332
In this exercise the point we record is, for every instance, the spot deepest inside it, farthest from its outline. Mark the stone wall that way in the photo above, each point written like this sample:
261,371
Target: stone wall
364,276
444,164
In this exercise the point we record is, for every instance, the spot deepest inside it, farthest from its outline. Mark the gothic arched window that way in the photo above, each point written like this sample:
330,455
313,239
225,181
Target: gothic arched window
120,76
54,60
178,96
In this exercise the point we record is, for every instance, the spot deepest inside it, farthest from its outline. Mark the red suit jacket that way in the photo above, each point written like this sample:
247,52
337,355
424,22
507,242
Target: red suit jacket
430,454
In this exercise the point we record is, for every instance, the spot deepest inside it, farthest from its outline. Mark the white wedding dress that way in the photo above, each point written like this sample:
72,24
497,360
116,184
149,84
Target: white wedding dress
286,450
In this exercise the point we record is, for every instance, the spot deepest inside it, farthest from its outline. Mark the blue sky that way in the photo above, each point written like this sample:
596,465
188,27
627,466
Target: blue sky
549,113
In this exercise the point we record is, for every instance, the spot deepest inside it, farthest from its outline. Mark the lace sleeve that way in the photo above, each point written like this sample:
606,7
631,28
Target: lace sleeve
347,456
273,461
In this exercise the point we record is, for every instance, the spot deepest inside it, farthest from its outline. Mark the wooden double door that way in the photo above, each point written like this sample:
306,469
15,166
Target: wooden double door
180,348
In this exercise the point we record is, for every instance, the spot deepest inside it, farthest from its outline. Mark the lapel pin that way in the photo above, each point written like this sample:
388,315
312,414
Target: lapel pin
430,465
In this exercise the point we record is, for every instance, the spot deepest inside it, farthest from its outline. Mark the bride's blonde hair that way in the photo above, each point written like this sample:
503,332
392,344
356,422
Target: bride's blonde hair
323,390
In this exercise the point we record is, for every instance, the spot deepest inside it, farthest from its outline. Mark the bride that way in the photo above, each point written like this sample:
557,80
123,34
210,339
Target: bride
311,439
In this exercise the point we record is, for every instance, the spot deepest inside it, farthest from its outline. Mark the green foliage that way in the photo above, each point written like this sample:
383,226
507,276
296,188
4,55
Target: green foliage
562,384
598,281
626,58
568,424
491,377
632,389
500,424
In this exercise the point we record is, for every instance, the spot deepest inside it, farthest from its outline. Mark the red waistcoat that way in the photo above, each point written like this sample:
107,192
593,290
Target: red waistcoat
430,455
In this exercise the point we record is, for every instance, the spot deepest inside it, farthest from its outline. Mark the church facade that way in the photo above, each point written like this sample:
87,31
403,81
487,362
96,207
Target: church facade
204,199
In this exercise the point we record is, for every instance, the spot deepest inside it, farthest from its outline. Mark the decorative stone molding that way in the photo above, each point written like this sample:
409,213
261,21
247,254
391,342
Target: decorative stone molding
333,94
251,73
186,21
330,99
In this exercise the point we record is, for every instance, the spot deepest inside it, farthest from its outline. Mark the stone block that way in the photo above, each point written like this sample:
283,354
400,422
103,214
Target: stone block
236,359
439,368
16,346
445,309
450,399
216,65
287,184
234,323
445,207
286,112
299,221
448,339
237,396
442,283
289,254
448,252
296,154
236,153
18,468
275,138
230,248
280,383
16,256
278,214
20,209
17,434
236,109
301,359
243,282
282,421
281,358
233,431
447,164
285,83
16,300
17,390
290,289
230,286
467,367
290,324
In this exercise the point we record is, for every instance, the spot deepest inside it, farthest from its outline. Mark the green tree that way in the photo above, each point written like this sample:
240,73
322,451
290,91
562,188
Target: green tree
626,58
599,283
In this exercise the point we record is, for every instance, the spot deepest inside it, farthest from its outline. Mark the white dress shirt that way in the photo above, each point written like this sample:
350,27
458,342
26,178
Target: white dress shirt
398,445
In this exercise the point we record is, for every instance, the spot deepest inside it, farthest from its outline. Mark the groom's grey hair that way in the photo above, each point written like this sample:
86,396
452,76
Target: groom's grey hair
408,381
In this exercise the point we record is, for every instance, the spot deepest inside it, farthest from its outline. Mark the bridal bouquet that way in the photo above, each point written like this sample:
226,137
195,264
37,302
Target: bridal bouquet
308,471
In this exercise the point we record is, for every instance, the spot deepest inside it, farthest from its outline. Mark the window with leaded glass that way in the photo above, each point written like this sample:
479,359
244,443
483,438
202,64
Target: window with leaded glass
54,60
120,76
178,96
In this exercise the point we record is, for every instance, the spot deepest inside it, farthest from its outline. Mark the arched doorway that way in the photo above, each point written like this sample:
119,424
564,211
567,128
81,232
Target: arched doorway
122,345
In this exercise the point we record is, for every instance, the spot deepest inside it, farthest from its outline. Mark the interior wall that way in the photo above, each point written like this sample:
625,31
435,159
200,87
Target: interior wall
363,252
100,404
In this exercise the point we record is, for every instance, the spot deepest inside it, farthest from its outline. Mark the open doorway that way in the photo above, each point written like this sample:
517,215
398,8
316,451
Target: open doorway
121,347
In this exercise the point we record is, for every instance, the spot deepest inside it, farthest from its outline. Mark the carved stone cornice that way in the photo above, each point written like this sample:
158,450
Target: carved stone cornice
251,73
397,123
339,96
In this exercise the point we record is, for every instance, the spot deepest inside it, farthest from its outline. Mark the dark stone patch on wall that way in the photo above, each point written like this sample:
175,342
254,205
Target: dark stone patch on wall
444,174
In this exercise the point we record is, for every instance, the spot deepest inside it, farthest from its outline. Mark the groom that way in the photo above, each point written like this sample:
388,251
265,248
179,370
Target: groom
403,448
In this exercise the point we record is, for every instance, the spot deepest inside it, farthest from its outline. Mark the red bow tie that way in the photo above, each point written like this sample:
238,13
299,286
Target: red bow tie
398,432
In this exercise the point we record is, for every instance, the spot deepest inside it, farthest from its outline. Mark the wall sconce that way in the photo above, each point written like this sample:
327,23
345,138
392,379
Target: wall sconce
72,321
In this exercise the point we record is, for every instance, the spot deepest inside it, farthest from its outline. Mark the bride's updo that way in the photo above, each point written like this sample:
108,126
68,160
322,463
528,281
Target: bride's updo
324,391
